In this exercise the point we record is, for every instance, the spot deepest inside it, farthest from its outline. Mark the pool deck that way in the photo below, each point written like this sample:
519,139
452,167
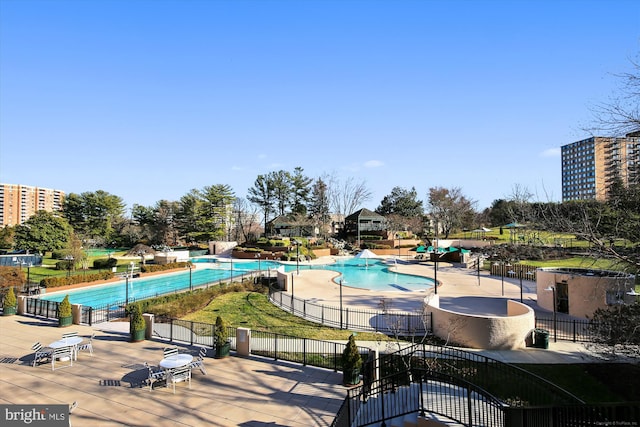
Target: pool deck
460,289
237,391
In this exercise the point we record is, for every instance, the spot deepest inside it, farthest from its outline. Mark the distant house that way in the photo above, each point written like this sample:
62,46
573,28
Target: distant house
364,221
289,226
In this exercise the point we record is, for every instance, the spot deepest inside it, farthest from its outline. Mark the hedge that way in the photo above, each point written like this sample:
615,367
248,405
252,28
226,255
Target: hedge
150,268
101,263
54,282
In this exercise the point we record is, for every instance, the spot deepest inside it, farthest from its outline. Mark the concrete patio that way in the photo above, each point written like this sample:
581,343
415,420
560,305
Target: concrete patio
110,385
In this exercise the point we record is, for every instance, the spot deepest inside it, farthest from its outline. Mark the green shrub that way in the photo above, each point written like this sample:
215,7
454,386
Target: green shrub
351,358
10,299
221,332
150,268
64,309
59,254
54,282
104,263
136,320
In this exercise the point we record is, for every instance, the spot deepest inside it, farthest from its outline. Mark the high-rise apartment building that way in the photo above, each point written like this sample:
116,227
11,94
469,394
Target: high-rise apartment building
19,202
591,166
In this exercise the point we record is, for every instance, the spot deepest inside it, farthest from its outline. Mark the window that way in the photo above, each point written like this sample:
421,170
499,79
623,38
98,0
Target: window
614,297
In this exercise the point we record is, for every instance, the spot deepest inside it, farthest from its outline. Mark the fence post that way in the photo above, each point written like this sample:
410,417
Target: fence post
304,351
275,347
574,330
191,329
347,320
171,330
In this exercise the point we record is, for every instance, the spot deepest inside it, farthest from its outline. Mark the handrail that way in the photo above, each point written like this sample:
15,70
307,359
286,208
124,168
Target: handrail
509,382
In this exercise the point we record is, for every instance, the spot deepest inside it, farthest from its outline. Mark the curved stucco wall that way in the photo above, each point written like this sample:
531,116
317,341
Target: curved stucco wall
486,332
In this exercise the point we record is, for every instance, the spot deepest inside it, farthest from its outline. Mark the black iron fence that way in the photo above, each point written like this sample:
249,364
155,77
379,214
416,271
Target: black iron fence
507,382
306,351
566,329
393,323
515,271
472,390
42,308
442,394
88,315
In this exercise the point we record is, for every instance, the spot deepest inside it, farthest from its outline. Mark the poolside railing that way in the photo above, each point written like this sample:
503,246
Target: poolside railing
395,323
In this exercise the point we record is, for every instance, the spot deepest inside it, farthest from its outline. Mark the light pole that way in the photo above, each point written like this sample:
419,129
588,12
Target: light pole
126,284
297,258
292,311
190,281
23,264
555,321
69,259
340,303
520,276
398,237
502,276
29,276
259,268
435,260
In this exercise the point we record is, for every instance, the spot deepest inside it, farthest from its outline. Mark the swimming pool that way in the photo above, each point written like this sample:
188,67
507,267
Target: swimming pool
371,274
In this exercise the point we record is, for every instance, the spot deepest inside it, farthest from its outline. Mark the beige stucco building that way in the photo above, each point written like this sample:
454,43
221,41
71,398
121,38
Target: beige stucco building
580,292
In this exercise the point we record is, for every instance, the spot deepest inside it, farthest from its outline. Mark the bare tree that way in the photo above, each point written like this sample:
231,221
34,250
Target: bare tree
519,208
600,225
620,114
450,208
345,197
247,224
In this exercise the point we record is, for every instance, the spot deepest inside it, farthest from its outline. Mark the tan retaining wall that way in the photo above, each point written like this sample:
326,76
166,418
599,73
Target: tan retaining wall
484,332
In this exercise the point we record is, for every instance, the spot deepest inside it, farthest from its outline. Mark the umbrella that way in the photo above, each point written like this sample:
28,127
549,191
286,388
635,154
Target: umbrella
420,249
514,225
366,254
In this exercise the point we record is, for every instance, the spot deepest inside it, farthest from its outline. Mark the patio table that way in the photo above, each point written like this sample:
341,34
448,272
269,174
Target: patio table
176,361
68,342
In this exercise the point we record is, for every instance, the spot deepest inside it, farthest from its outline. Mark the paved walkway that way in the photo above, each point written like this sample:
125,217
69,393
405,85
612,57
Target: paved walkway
237,391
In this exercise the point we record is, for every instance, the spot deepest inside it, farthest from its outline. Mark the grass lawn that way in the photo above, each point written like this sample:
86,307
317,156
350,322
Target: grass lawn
253,310
576,262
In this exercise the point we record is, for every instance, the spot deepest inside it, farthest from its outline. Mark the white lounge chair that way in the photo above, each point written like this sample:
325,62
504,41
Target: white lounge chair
87,346
199,361
155,375
72,408
69,335
62,354
40,353
179,375
170,351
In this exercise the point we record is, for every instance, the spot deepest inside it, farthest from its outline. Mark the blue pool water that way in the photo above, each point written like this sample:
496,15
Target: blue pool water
372,274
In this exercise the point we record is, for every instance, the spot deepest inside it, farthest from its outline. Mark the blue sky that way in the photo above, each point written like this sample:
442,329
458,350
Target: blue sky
150,99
